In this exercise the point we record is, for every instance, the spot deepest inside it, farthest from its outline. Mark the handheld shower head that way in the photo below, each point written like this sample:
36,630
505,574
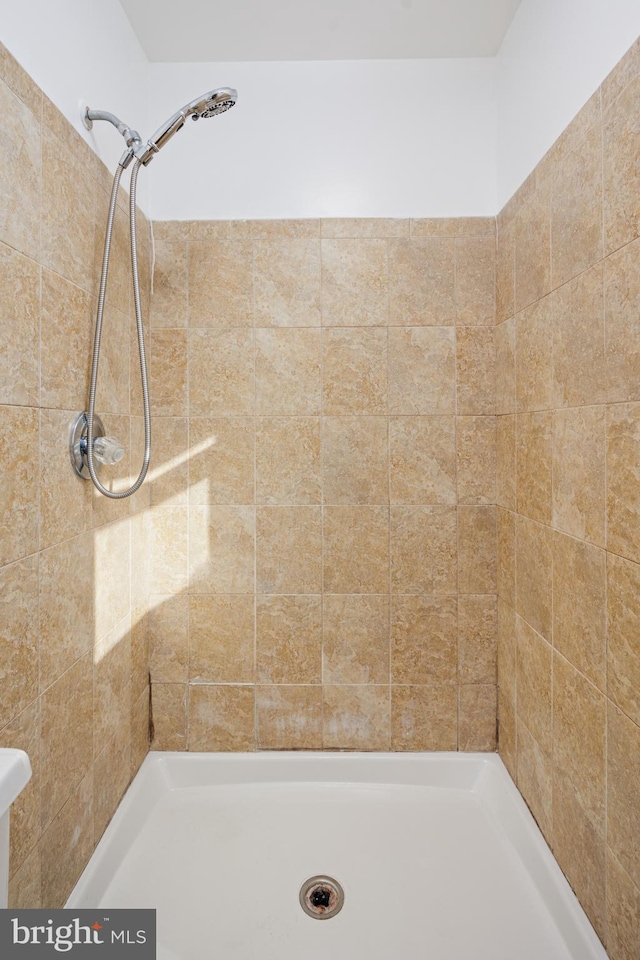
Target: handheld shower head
209,105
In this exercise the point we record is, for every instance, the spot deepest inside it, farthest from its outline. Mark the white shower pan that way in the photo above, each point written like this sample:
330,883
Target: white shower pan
438,856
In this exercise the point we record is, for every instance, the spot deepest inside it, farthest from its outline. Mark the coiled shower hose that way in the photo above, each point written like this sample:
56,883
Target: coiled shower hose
98,335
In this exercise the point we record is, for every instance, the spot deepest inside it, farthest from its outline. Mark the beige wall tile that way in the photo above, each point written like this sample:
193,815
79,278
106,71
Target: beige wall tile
578,341
221,373
454,227
289,718
507,651
355,718
623,501
533,574
19,637
289,550
289,639
168,549
477,721
355,283
423,459
533,248
579,711
355,463
534,363
533,680
66,606
66,706
623,635
20,321
423,639
534,455
507,735
424,718
220,283
260,229
221,460
288,460
477,550
169,638
222,549
25,884
424,550
506,462
623,912
621,178
354,372
576,209
67,844
506,366
364,228
476,459
168,373
110,780
68,214
505,272
506,575
355,646
21,157
112,686
622,305
139,652
476,371
20,82
478,640
19,517
422,276
112,576
140,730
579,847
535,779
579,606
476,281
221,718
169,303
287,283
288,372
221,639
356,549
169,716
422,371
170,467
579,445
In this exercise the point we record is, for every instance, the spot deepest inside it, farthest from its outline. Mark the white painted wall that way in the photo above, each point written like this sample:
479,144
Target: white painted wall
384,138
82,50
553,58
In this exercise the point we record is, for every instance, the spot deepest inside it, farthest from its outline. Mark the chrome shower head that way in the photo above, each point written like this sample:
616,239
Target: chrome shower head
209,105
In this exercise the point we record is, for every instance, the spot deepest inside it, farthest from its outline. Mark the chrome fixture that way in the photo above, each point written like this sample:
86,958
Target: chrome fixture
87,443
106,450
321,897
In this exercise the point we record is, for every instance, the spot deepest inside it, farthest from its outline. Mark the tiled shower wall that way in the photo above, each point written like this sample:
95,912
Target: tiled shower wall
568,375
73,655
323,512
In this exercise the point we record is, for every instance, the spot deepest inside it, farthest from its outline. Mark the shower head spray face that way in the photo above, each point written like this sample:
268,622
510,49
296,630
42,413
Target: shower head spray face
213,103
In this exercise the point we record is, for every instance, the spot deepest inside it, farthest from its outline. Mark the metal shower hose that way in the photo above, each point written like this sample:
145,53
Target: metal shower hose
98,336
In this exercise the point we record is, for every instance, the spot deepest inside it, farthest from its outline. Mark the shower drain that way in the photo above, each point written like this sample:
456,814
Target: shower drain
321,897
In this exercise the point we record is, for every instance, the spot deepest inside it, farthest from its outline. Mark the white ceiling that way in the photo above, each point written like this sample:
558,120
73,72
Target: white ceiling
219,30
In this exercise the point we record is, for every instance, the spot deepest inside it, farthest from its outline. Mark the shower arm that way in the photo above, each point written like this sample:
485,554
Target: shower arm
132,137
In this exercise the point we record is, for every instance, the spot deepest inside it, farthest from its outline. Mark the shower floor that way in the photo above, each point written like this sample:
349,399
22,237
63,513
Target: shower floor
438,856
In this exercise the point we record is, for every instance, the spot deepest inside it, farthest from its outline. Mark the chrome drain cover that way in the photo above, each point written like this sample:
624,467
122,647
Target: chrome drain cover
321,897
